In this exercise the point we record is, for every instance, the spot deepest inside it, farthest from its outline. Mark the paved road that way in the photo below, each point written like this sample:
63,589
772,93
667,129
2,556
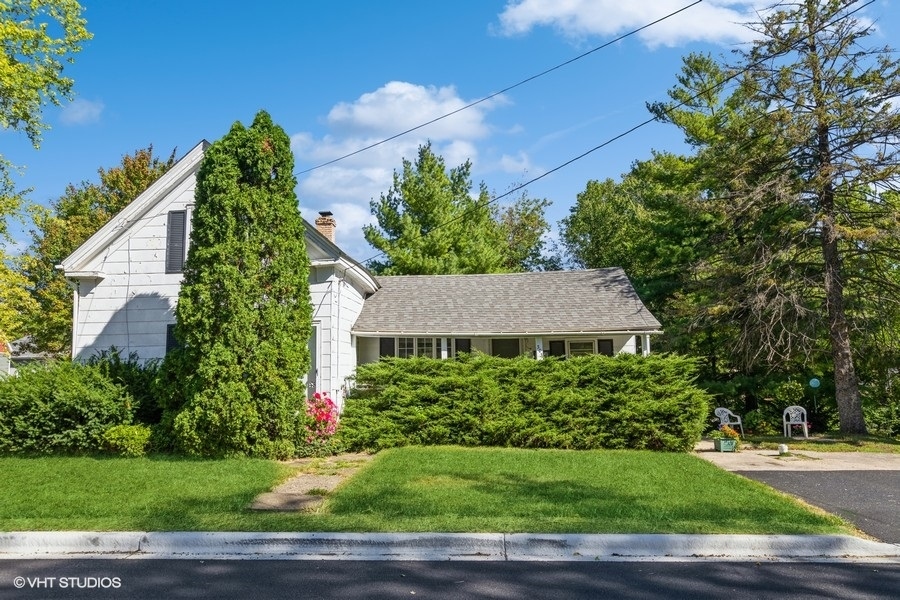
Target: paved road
868,499
366,580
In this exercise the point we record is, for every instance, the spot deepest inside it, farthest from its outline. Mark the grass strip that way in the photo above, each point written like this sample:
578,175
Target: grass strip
416,489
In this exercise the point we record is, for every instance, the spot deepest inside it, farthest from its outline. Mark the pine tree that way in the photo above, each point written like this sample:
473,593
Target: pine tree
244,312
430,224
802,151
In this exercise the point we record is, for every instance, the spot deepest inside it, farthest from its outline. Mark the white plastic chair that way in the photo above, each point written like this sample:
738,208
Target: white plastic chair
726,417
794,415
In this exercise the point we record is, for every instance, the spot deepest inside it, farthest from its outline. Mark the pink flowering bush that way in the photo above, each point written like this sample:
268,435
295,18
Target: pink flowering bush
322,423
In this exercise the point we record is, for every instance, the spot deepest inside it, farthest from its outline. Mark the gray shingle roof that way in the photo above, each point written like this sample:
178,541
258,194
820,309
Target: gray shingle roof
590,301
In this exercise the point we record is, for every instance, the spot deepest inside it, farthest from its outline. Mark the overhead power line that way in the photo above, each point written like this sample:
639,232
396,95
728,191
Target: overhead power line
503,91
629,131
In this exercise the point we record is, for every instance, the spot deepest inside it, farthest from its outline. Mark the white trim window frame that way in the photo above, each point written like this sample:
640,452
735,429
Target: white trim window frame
409,346
581,347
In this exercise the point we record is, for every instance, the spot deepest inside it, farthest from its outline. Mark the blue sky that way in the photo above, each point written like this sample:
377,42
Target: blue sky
340,75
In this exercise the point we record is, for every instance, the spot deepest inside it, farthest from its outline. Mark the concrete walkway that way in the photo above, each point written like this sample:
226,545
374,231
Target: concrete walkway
802,460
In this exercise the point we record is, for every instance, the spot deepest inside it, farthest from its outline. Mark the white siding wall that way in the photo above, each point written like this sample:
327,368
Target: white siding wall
336,305
320,292
349,303
130,307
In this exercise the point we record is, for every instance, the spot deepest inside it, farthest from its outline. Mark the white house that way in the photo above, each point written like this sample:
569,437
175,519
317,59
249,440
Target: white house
128,274
126,279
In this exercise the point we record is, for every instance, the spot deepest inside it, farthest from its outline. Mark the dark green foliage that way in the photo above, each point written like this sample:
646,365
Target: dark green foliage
429,222
582,403
60,407
244,311
137,377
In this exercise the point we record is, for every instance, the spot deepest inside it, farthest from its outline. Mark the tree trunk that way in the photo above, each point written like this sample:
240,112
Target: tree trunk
846,386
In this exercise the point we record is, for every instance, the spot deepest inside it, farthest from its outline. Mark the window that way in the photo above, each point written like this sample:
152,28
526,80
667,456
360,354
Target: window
605,347
556,348
581,348
175,241
171,340
639,344
505,347
386,347
461,345
406,347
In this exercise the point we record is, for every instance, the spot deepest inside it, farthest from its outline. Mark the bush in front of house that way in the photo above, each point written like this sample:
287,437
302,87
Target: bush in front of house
586,402
136,376
127,440
60,406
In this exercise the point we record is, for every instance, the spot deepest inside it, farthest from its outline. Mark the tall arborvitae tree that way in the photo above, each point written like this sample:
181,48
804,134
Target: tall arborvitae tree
244,312
802,150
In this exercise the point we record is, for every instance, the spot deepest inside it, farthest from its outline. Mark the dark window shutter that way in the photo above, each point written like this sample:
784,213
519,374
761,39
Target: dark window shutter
463,345
605,347
386,347
175,242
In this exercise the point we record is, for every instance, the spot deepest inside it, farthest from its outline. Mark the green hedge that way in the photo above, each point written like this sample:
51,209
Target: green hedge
477,400
60,407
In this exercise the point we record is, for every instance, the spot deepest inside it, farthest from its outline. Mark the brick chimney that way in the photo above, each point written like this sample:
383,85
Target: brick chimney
326,224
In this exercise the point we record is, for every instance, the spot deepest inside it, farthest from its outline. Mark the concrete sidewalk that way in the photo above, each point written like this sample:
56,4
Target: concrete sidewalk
441,547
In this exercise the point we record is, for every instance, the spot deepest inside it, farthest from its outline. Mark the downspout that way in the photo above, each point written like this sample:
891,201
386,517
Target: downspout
74,284
337,360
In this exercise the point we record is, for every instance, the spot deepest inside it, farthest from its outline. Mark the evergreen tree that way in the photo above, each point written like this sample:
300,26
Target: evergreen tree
244,312
429,224
802,151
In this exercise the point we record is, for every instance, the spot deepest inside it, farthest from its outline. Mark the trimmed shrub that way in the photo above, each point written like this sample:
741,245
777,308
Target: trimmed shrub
60,407
582,403
127,440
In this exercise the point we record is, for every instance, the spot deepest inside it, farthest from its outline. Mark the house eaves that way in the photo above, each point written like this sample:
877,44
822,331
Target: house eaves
76,265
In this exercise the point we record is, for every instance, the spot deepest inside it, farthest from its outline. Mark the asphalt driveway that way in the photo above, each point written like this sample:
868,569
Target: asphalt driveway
868,499
861,487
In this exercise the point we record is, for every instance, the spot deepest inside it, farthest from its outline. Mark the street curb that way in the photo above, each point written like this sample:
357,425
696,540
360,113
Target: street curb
442,546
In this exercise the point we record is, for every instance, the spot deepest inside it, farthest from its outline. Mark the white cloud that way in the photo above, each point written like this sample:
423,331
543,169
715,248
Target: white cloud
81,112
716,21
398,106
519,164
347,187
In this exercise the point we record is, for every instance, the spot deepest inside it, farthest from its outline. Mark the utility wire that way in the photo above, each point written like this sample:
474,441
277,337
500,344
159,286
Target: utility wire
619,136
503,91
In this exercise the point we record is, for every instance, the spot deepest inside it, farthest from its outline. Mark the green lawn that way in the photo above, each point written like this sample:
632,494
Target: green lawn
408,489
